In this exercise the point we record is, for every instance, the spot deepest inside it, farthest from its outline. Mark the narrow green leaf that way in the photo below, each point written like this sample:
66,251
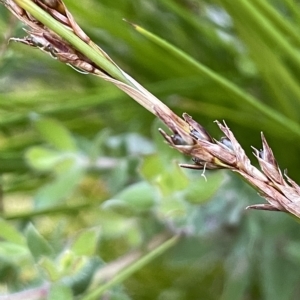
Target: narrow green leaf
274,65
55,134
54,192
281,25
10,234
37,244
11,251
229,87
42,159
258,22
293,9
86,243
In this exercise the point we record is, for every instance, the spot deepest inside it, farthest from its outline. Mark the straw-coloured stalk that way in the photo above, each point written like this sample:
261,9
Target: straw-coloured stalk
53,29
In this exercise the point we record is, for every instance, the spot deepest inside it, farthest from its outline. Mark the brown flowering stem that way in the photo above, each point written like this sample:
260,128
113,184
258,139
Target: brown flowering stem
54,30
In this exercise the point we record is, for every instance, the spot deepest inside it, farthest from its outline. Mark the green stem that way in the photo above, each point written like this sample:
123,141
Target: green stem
124,274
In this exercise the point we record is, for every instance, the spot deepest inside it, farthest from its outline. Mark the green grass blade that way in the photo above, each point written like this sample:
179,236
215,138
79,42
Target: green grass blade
228,86
282,25
252,16
126,273
279,74
294,9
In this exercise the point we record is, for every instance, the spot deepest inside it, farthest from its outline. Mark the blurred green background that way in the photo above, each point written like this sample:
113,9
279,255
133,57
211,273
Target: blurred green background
89,188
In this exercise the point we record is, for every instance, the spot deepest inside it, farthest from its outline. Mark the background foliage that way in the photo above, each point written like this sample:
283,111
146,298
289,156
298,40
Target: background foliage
89,185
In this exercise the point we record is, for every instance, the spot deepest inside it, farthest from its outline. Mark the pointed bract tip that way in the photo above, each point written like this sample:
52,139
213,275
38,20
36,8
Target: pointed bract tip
130,23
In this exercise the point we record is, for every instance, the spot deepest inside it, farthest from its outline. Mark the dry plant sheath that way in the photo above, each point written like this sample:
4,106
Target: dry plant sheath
188,137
